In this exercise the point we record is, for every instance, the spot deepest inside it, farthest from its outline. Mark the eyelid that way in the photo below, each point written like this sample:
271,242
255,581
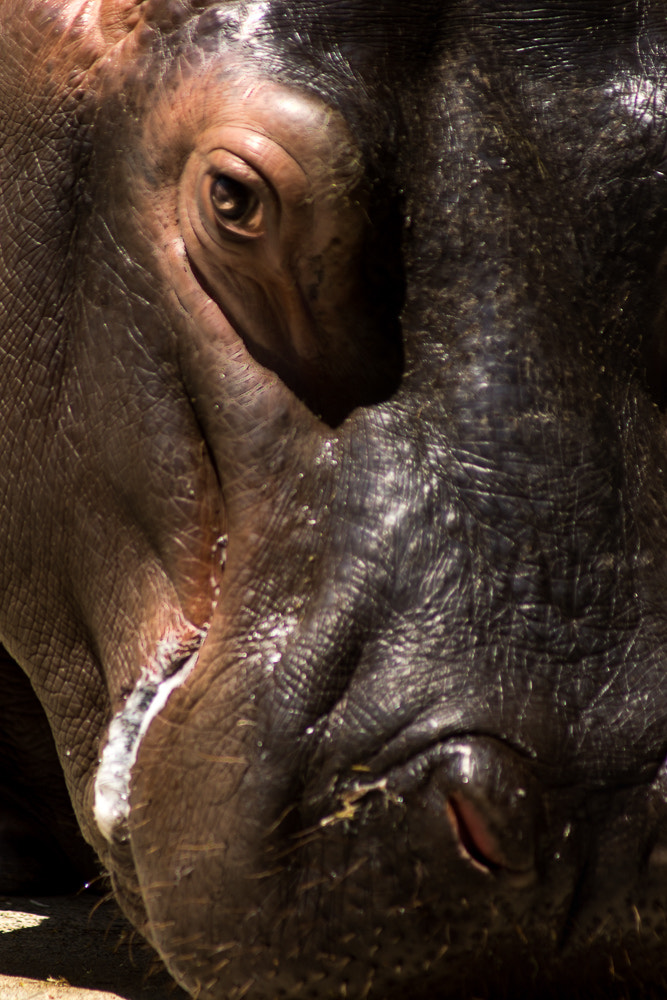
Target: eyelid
263,158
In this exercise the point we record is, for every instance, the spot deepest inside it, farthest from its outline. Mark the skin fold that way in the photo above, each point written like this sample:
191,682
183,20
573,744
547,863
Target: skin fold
333,479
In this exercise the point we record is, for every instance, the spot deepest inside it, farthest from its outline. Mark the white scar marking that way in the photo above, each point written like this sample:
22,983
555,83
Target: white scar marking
245,24
252,20
644,99
128,727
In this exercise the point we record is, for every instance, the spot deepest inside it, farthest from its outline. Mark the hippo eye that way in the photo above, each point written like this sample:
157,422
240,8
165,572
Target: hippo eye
235,202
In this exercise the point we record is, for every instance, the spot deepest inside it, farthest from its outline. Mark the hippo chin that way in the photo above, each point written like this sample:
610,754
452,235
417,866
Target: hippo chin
333,482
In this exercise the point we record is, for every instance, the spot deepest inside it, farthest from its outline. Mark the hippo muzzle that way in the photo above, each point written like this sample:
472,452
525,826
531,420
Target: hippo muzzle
334,486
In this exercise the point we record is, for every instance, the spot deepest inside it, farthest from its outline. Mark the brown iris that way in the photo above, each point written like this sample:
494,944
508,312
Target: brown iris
233,201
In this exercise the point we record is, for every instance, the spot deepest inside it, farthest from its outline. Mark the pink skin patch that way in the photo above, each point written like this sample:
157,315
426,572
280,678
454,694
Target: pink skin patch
475,838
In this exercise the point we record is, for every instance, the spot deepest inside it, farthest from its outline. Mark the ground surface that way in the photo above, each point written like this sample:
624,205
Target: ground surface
75,948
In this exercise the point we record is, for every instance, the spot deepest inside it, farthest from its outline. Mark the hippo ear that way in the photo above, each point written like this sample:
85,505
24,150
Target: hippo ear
120,16
62,37
101,24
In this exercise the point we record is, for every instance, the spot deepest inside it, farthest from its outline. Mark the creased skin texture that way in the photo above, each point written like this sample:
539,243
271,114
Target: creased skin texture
332,396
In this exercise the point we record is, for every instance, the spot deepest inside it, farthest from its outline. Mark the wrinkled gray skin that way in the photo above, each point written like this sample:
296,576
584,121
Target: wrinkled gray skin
333,477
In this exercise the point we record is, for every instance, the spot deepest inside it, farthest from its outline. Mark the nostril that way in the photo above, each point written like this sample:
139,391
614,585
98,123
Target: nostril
483,797
475,837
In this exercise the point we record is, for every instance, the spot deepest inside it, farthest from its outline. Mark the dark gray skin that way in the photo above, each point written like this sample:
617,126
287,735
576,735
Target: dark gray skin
333,389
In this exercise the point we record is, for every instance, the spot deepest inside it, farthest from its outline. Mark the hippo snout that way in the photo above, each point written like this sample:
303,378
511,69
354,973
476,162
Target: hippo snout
420,854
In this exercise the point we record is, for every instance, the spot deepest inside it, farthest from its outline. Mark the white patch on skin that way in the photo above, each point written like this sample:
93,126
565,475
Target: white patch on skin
243,22
252,20
644,99
128,727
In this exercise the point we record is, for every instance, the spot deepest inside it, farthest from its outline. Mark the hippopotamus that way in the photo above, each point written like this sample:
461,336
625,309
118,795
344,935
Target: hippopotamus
333,457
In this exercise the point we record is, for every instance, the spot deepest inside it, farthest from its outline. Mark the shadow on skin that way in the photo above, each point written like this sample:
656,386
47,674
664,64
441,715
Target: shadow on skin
81,941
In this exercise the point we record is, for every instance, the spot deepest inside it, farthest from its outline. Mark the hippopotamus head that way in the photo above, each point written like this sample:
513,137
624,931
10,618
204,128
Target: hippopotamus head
335,480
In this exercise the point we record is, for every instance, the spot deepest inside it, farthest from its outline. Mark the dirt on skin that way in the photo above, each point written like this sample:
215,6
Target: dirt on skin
75,948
